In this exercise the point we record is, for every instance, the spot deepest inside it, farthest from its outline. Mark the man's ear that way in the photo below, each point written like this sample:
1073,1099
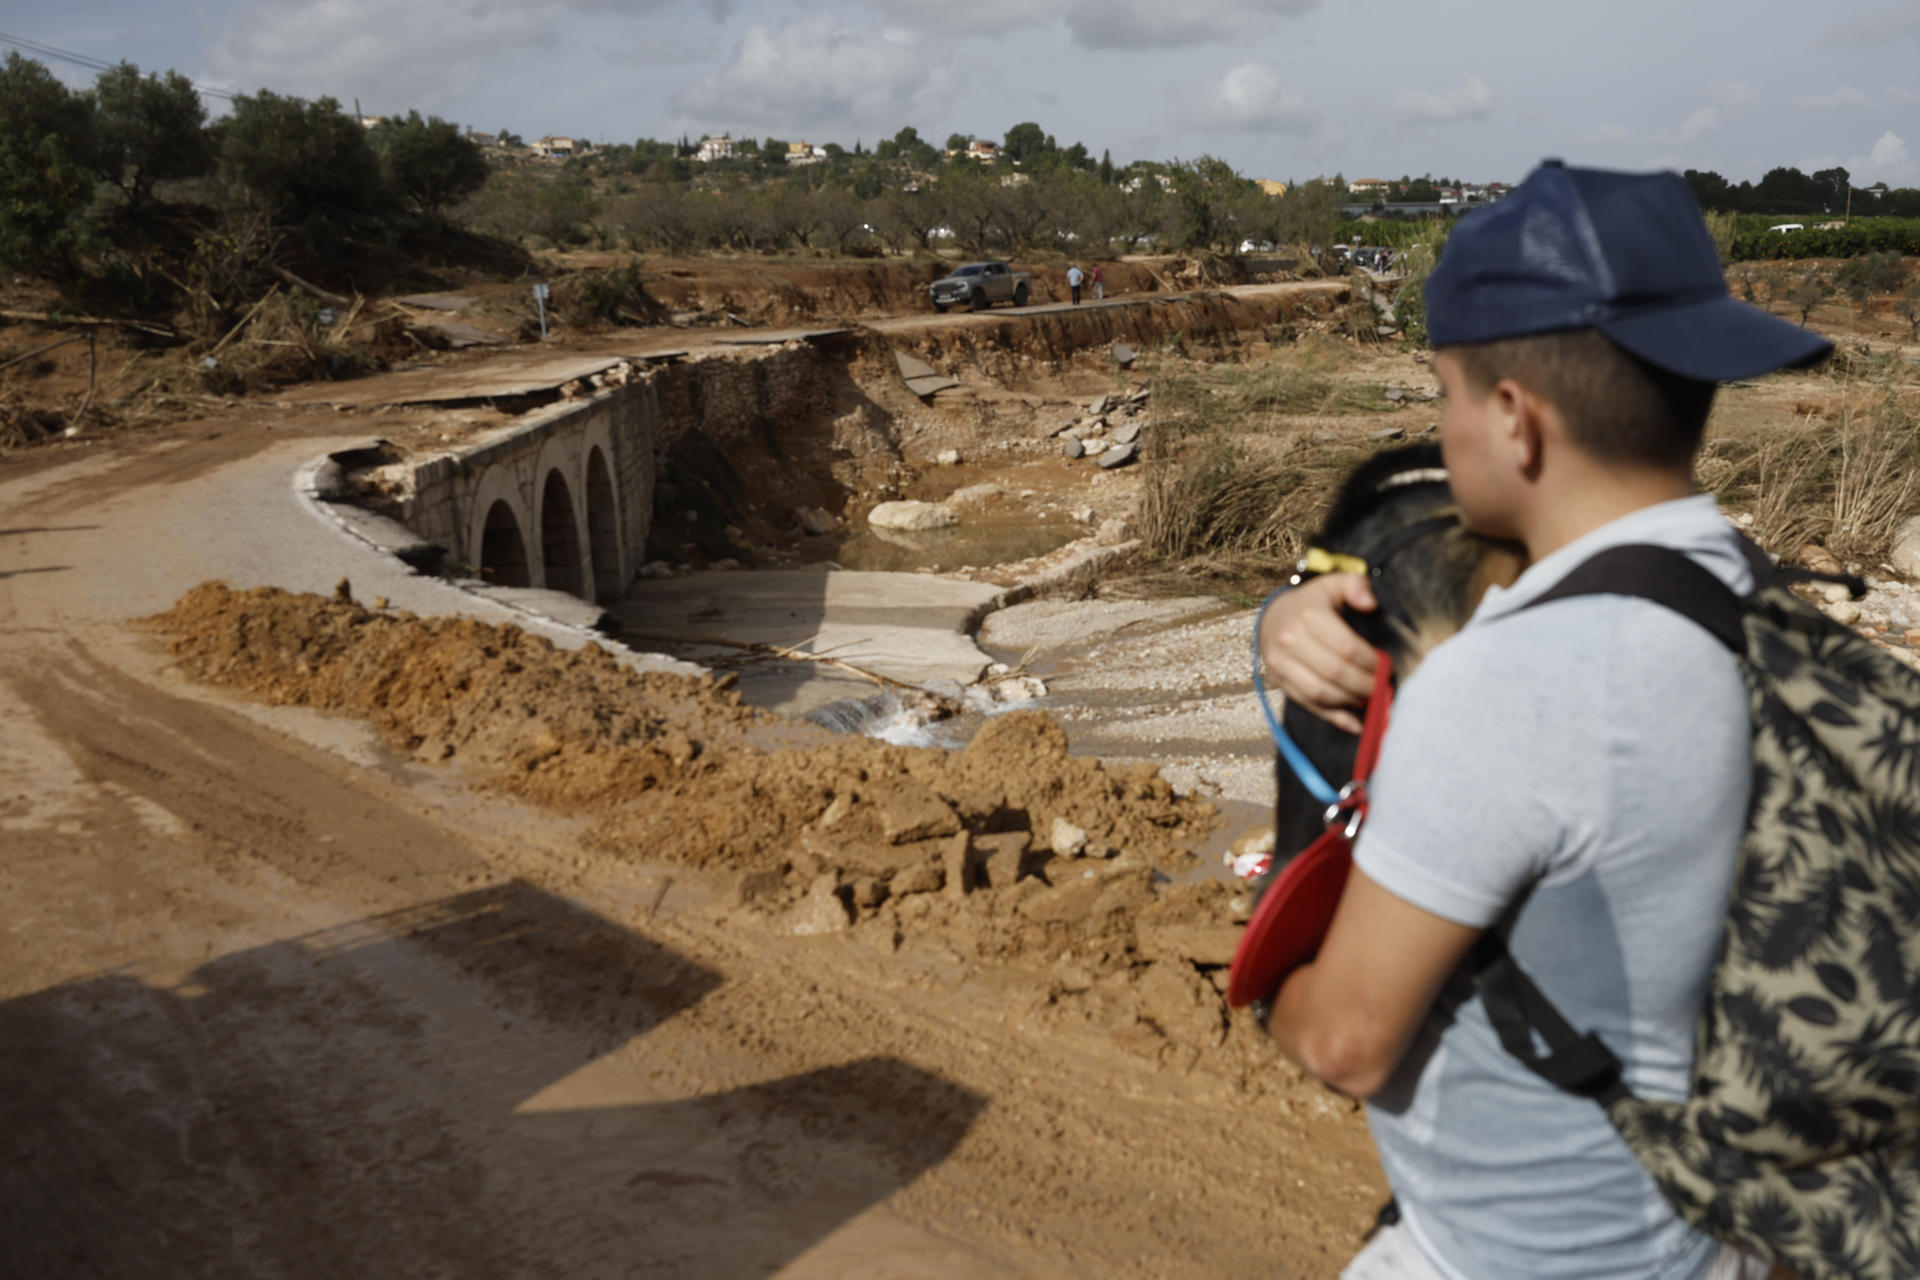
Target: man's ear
1518,424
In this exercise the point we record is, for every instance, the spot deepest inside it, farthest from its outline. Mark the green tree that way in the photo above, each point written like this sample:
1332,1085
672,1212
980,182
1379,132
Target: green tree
958,142
1026,141
149,129
1861,278
1106,167
1808,290
46,168
304,162
429,163
1204,191
1908,309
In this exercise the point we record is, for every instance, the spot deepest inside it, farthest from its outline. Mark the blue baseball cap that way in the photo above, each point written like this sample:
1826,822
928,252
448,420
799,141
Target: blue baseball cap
1627,254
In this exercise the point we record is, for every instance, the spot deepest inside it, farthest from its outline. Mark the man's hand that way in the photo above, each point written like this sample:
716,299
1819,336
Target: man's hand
1313,656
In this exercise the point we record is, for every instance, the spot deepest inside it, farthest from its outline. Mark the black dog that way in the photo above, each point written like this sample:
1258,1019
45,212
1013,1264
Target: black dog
1397,515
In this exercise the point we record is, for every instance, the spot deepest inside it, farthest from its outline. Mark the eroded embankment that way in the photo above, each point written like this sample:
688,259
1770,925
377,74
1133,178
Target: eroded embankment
1010,851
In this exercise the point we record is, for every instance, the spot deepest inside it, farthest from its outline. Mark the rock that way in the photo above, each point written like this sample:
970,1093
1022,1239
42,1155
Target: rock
973,493
910,810
912,516
1113,530
1124,355
1126,433
727,565
1070,900
759,888
1072,447
1119,456
1834,592
1083,515
656,569
816,521
1020,689
1001,858
1389,433
957,862
1396,394
1099,406
948,457
1906,548
1844,612
1386,330
822,911
1212,944
922,877
1911,637
867,893
1820,560
1140,396
1186,1008
1065,839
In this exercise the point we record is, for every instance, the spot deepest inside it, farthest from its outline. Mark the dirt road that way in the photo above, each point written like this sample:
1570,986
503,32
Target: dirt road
279,1002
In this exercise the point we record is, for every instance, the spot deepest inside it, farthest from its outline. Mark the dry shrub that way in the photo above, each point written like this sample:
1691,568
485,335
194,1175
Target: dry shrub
1217,509
24,424
1845,485
1253,397
285,340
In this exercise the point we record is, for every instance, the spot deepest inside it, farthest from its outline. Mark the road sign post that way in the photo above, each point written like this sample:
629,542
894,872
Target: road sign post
541,292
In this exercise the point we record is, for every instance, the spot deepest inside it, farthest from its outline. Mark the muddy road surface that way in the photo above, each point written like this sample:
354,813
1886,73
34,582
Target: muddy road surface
282,998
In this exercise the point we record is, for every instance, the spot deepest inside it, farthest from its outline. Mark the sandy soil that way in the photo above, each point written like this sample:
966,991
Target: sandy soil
465,990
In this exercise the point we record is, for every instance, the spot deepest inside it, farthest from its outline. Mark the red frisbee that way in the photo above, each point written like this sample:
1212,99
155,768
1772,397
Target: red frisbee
1292,919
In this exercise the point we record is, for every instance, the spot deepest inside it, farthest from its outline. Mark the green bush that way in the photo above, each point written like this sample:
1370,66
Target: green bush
1870,235
47,157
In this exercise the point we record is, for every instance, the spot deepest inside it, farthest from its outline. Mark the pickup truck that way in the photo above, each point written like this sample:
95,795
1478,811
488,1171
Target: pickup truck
978,285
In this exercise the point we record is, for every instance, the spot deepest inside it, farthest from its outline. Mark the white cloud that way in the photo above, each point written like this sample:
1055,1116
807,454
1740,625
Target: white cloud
1888,160
1607,133
1471,99
1703,121
1253,97
1732,93
1843,97
1156,24
977,17
394,56
812,75
1900,96
1876,29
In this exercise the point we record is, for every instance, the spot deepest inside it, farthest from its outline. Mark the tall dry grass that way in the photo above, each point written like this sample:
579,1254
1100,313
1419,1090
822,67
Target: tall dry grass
1845,485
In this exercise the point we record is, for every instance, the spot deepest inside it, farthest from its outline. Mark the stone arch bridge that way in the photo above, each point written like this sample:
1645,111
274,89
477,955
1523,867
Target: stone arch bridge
561,502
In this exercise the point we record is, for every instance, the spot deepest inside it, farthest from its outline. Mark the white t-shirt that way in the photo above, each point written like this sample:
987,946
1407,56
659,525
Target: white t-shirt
1591,757
1074,277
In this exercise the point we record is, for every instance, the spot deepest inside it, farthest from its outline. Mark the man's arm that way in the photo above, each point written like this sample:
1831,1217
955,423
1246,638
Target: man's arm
1349,1015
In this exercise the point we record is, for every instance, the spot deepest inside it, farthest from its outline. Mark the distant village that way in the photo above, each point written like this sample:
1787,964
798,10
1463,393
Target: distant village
1364,192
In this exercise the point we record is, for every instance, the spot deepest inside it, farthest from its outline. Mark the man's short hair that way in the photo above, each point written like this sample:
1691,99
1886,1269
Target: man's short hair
1617,407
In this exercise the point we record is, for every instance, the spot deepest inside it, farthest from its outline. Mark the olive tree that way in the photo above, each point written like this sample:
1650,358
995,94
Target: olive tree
46,169
428,163
148,129
304,162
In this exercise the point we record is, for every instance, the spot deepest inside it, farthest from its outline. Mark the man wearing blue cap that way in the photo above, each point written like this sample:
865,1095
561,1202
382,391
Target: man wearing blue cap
1575,775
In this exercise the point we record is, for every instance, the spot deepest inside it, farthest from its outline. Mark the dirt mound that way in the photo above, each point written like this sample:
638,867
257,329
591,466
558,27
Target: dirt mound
1011,850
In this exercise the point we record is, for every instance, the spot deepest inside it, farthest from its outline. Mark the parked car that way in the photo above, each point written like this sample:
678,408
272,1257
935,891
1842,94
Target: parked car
1785,227
978,285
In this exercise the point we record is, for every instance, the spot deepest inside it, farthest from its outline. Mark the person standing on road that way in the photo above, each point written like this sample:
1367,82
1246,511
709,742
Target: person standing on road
1074,277
1099,283
1574,776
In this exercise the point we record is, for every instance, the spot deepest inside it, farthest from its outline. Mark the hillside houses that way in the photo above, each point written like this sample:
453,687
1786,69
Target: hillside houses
713,147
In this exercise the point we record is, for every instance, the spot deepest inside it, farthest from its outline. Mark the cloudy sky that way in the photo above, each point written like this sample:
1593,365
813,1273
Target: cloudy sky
1280,88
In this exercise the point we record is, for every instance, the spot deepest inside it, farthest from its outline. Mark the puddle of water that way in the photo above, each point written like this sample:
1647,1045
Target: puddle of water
944,550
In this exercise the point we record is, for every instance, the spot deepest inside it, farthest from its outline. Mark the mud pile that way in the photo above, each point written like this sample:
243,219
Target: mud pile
1010,851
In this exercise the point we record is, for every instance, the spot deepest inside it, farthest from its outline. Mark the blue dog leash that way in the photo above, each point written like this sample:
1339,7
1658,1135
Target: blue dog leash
1311,778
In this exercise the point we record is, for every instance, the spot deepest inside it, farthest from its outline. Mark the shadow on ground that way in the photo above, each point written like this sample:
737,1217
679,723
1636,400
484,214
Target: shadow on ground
354,1103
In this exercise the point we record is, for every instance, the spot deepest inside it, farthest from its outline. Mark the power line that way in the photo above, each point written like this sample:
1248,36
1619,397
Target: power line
39,50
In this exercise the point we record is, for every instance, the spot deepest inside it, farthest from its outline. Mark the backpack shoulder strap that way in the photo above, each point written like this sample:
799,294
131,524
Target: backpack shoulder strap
1668,578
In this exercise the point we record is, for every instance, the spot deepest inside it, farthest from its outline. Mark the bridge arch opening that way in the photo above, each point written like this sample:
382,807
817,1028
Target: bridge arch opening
503,551
603,527
559,537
